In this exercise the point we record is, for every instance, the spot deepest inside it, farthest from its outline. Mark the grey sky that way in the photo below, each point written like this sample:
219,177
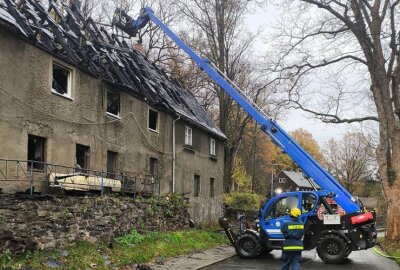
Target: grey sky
264,19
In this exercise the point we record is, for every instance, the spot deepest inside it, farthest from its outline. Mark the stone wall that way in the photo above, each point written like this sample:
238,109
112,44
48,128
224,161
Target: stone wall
48,222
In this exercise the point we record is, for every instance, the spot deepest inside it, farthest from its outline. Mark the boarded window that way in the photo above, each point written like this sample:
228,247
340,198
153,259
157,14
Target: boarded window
61,83
36,152
212,191
82,156
153,167
153,120
188,136
196,185
111,164
113,103
212,147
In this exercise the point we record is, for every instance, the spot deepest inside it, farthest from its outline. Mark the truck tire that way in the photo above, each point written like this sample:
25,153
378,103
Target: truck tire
332,248
248,246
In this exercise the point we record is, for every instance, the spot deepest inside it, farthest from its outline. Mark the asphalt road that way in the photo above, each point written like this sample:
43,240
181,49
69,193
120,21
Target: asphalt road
358,260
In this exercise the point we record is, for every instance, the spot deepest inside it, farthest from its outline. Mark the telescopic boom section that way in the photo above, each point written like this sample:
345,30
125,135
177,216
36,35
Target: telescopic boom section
269,126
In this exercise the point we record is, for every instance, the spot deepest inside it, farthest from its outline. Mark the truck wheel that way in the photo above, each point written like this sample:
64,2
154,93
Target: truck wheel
332,248
248,246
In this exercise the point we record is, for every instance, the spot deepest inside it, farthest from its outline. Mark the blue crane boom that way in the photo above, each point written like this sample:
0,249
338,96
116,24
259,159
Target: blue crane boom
278,135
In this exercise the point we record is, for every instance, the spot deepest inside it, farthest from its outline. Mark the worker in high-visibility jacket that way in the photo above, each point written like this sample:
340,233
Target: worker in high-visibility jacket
293,231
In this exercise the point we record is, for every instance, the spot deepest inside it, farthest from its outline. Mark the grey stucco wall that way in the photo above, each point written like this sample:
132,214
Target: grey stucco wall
27,106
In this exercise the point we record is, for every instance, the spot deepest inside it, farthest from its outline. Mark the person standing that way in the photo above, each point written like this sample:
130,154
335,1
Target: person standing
293,231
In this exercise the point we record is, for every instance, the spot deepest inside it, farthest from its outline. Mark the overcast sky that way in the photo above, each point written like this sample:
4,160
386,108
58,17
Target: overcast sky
264,19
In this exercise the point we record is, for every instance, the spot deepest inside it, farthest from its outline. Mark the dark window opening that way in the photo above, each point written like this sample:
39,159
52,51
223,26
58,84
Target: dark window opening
60,83
111,164
196,188
153,167
36,152
212,191
153,120
113,103
82,157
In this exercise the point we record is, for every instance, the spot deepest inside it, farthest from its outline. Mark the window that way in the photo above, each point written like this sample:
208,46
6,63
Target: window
212,147
113,103
188,136
61,82
153,120
308,202
282,207
196,186
153,167
212,191
82,157
111,164
36,151
281,180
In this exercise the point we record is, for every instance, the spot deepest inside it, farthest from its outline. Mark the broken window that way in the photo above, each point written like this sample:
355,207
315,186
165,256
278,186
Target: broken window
113,103
153,120
82,157
36,152
282,180
196,187
212,147
61,83
153,166
212,191
111,164
188,136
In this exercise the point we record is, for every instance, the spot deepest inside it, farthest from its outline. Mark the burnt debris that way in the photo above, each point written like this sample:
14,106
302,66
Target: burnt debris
61,30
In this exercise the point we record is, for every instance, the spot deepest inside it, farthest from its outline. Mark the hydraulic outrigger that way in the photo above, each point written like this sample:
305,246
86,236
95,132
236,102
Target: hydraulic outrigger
334,235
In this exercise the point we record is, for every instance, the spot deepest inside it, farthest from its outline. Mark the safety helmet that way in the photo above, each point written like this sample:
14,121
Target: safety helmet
295,212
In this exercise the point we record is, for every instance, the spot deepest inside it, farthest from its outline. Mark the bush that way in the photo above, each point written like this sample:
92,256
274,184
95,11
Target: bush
242,201
130,239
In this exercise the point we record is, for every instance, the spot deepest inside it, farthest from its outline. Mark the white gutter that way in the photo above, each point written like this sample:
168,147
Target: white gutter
174,153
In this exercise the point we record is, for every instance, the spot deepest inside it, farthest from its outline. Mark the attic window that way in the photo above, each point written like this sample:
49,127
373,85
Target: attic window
153,120
61,82
113,103
282,180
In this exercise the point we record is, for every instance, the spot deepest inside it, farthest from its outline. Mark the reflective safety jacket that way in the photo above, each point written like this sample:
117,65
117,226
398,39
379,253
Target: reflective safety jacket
293,231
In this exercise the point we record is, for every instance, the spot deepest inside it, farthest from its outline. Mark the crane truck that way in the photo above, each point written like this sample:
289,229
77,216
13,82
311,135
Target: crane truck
334,235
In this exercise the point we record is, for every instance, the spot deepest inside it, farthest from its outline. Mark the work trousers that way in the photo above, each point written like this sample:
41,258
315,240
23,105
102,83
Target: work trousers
291,260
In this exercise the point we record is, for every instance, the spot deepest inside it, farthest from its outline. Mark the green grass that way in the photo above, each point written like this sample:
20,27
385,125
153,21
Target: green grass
130,249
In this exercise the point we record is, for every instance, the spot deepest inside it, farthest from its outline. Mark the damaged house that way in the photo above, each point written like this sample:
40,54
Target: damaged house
75,97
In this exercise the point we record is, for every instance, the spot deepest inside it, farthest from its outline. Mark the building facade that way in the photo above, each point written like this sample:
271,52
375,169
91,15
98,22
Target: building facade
55,110
287,181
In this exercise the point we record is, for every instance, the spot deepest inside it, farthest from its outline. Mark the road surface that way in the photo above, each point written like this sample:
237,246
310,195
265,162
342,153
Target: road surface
358,260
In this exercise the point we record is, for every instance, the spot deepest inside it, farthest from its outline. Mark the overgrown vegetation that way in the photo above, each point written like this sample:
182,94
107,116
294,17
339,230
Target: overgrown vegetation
242,201
130,249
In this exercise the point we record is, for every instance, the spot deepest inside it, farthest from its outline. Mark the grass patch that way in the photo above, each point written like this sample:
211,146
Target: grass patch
130,249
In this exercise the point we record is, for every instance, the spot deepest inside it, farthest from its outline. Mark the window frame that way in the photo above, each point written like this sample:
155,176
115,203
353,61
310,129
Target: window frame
157,121
68,95
212,187
196,185
213,147
188,139
86,150
281,180
39,166
115,161
119,104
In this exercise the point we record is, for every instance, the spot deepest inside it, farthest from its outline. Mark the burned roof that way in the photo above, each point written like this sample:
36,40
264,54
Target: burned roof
67,35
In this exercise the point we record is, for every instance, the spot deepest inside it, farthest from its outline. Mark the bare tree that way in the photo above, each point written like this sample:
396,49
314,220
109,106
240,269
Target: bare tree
227,45
355,43
351,160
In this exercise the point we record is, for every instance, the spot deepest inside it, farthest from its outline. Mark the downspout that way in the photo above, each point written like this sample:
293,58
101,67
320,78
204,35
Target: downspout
173,153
